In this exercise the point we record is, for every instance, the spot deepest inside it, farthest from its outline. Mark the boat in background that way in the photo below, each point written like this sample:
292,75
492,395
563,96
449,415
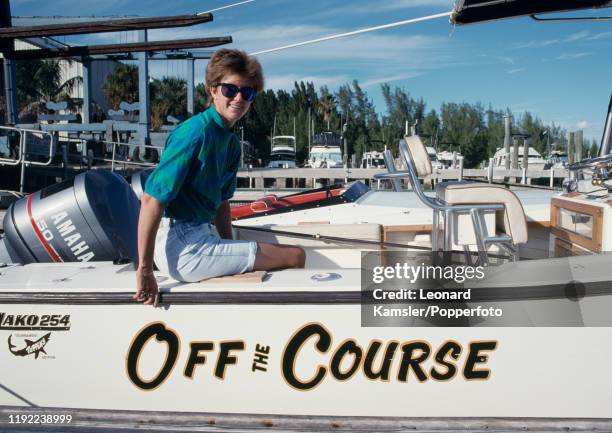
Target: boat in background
534,159
283,152
449,159
557,159
326,151
373,159
433,156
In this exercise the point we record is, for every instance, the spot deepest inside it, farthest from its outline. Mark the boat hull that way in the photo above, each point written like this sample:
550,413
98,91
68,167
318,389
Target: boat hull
231,358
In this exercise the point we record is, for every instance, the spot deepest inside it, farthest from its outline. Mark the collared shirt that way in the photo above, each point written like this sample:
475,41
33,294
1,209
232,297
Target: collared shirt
197,170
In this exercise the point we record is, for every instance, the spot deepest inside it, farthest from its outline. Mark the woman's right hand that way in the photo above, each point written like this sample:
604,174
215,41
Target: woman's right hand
147,291
151,211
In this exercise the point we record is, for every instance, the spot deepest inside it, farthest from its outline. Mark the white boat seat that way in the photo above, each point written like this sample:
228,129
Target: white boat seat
420,157
465,193
460,198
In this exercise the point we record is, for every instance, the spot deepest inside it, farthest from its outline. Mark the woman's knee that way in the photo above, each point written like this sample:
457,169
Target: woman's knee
296,258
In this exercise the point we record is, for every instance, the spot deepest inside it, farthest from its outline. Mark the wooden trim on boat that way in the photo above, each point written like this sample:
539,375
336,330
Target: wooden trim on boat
567,249
596,212
408,228
138,421
425,228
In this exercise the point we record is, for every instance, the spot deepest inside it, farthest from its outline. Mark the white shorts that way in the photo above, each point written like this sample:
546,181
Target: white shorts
193,252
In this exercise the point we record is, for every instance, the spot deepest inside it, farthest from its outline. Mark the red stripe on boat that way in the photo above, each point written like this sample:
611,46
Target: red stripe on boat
271,202
42,240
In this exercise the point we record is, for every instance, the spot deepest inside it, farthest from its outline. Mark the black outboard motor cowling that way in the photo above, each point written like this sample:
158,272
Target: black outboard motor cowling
93,217
138,181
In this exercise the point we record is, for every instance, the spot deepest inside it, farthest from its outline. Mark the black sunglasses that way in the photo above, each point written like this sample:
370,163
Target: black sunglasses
230,90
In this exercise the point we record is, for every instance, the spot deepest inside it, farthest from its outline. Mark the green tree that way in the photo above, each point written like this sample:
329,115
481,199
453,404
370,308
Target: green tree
464,124
201,98
122,85
593,149
401,108
168,98
429,126
326,108
534,127
495,130
39,82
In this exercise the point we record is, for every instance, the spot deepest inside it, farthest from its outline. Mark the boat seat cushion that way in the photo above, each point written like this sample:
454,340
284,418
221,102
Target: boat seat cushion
419,155
461,193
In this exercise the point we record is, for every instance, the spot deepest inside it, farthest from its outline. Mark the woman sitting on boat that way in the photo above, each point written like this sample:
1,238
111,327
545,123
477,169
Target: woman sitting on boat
192,184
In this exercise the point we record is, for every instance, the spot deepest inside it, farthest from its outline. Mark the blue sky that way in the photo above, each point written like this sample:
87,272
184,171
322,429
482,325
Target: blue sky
559,71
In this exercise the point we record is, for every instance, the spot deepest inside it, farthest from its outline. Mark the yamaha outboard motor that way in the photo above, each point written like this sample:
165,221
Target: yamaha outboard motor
93,217
138,181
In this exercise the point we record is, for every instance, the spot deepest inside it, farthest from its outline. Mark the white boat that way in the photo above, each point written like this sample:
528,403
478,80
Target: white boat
325,151
433,156
373,159
300,342
557,159
303,338
282,154
449,159
534,159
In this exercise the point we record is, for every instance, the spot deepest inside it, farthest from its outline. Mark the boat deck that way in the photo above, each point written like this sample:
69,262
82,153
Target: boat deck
388,207
106,277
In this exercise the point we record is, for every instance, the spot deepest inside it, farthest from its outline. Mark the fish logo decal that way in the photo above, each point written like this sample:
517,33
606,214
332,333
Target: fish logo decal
32,347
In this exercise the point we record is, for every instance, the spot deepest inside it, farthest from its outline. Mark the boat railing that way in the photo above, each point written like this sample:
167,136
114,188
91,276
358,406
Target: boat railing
131,147
33,147
26,156
122,154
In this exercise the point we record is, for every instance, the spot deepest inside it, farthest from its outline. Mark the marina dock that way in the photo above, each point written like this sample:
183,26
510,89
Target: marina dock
314,177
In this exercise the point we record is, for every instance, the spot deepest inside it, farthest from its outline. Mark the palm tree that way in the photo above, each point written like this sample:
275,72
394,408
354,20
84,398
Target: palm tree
326,107
168,98
39,82
202,100
122,85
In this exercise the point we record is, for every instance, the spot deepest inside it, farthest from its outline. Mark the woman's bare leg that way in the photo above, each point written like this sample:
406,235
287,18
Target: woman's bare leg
271,256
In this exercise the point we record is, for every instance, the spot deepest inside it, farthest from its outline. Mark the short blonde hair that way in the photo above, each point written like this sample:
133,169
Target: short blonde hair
226,61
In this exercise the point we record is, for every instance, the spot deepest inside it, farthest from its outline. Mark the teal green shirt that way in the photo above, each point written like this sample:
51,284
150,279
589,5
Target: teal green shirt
197,170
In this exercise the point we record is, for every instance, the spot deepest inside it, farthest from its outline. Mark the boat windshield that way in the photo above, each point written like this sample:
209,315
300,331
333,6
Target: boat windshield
282,156
319,156
283,142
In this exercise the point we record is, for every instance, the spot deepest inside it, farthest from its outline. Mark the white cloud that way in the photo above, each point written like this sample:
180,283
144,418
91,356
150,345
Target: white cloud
386,6
360,50
533,44
372,58
571,56
505,59
583,125
600,36
388,79
517,70
405,4
577,36
574,37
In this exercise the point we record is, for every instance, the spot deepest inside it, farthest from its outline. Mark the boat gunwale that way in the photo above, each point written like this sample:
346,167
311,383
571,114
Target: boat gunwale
136,421
572,292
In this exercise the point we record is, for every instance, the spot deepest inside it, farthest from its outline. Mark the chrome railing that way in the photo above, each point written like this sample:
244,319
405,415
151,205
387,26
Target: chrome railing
23,157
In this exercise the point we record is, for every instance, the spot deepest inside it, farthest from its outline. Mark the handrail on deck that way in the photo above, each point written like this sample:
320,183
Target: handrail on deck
23,153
